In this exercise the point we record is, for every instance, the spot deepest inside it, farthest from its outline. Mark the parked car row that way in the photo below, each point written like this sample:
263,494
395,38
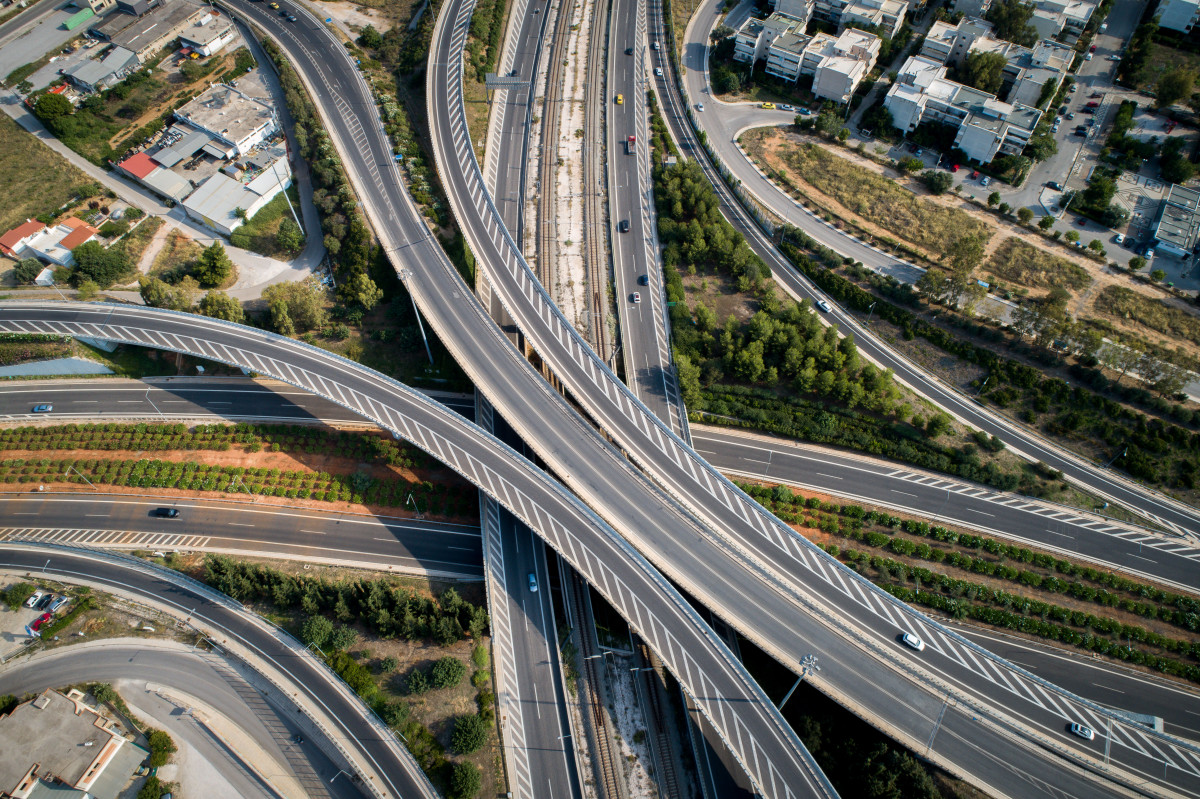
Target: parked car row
47,601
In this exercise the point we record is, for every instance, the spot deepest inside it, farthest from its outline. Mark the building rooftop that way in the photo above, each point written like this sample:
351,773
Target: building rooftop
226,112
218,197
207,29
139,165
794,43
28,228
51,733
149,28
94,70
1180,221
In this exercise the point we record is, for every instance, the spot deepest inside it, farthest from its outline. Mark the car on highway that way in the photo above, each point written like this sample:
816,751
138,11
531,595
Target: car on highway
620,99
913,642
644,280
653,45
532,583
1083,732
635,297
628,51
624,226
291,18
43,408
274,5
768,106
824,306
658,72
166,513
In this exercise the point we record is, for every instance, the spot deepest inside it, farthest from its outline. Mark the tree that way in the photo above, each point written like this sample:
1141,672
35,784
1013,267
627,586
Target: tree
721,32
1175,167
1043,319
1166,378
158,294
301,304
1174,86
290,237
240,213
937,182
1024,215
1095,245
965,253
1011,18
86,290
688,375
93,262
50,108
465,781
214,267
343,638
27,270
1071,235
1041,148
470,734
316,631
938,425
984,71
388,664
909,164
448,672
359,289
417,683
1158,275
829,124
220,305
1120,359
370,38
1137,262
1046,222
993,199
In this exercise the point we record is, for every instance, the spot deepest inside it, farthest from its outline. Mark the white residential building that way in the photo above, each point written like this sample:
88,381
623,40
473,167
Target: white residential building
1178,15
755,36
1050,17
887,15
1026,72
986,126
837,63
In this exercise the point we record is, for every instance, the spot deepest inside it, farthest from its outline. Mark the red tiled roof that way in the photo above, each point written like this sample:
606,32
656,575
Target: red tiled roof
139,165
9,239
80,232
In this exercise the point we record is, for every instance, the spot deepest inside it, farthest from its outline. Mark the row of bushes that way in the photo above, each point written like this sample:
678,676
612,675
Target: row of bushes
359,488
1091,584
1043,620
279,438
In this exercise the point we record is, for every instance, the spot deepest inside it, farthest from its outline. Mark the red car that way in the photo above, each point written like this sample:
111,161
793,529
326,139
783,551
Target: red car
1092,49
975,175
45,617
1081,222
954,168
1093,104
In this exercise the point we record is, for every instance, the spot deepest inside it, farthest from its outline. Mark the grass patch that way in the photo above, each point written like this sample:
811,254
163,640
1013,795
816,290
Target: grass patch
259,233
1164,58
1019,262
135,242
33,178
880,200
177,257
16,348
1128,304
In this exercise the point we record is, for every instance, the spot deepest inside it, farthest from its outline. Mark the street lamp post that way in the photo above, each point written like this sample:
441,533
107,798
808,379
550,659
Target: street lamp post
870,310
808,665
416,508
1114,459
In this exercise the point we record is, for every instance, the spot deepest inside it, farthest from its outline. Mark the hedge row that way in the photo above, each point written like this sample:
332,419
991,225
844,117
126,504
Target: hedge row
161,437
1176,609
62,622
459,500
1031,616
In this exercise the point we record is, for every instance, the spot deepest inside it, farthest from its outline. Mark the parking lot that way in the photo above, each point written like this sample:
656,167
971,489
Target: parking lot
12,626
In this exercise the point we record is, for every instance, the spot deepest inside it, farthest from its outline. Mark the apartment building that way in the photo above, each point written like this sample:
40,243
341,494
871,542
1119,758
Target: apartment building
1178,15
837,63
986,125
1050,17
1027,71
886,15
1178,224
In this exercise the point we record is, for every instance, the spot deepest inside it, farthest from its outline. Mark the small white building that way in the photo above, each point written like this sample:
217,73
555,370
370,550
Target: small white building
230,116
1178,15
210,34
54,244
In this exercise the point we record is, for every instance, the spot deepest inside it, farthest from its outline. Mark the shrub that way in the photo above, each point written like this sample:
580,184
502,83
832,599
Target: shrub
417,683
161,747
448,672
470,734
465,781
388,664
14,595
316,631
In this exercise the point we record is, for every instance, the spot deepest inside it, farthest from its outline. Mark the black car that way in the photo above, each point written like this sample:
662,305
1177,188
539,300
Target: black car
45,601
644,280
624,226
628,51
1055,186
166,513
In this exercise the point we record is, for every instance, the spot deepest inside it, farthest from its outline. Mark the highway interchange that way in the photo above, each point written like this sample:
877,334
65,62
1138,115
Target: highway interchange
572,450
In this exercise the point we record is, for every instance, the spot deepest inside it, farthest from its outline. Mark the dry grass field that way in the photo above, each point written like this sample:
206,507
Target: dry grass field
33,178
1026,265
1129,305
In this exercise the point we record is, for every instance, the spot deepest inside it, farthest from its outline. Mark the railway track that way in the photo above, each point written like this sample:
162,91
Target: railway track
595,181
668,780
603,765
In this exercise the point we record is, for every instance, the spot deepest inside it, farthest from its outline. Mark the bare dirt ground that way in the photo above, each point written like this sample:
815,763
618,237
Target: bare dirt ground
768,146
356,17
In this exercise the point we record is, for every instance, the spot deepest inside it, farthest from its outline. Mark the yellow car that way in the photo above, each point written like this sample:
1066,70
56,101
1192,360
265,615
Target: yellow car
769,106
274,5
620,99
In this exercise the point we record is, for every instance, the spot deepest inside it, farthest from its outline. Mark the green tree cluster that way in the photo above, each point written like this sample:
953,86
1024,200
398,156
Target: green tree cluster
388,610
983,70
27,270
104,267
296,307
214,267
1011,18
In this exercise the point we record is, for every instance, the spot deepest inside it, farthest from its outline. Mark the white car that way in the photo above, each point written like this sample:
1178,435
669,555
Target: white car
699,106
824,306
532,583
1083,732
1150,254
636,297
986,180
33,600
913,642
1119,238
658,72
1087,56
1114,58
653,45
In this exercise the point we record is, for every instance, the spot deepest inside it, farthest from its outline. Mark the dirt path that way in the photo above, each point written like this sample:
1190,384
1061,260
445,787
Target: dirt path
152,249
